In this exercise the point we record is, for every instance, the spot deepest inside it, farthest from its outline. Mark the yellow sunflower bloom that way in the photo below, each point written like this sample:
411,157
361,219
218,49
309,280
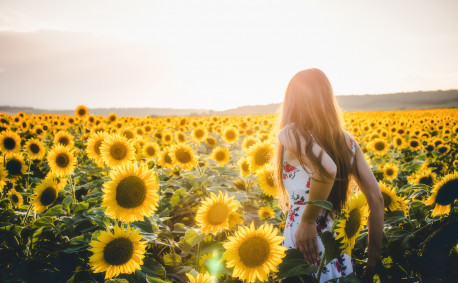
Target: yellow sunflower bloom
81,111
379,146
265,212
61,160
64,138
183,156
10,142
46,193
444,194
151,150
230,135
266,180
355,218
201,278
15,166
117,150
15,198
3,175
120,251
35,149
391,201
199,134
93,147
213,213
131,194
254,253
165,158
390,171
221,155
259,155
244,166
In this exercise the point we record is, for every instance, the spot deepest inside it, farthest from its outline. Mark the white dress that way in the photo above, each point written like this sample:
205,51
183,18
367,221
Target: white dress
297,183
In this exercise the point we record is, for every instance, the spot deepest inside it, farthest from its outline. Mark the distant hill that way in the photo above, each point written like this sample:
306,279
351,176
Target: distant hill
349,103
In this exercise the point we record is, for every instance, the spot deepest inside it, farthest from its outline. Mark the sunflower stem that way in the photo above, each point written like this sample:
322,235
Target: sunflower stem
198,257
72,188
321,266
26,215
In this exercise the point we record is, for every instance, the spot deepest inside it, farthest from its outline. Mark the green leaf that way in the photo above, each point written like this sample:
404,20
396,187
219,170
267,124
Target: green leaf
45,221
177,196
54,211
322,203
331,246
191,238
116,280
152,267
66,203
172,259
294,264
36,235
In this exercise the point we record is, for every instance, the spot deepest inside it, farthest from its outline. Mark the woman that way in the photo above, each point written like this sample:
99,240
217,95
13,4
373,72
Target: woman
314,160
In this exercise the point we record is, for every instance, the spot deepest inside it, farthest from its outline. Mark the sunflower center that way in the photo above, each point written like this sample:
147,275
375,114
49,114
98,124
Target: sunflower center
250,143
386,199
218,213
398,141
183,156
413,143
34,148
130,192
230,135
14,167
427,180
168,159
48,196
62,160
9,143
97,146
270,180
379,146
199,134
262,156
118,151
14,198
150,150
81,112
389,172
447,193
353,223
64,141
442,149
254,251
245,166
219,156
119,251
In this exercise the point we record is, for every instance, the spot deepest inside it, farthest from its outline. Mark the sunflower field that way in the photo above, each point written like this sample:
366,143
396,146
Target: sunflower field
86,198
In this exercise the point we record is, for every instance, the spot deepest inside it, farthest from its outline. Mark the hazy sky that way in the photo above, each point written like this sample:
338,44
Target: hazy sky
218,54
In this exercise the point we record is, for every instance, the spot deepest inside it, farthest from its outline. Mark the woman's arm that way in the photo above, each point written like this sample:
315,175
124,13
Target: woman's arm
369,186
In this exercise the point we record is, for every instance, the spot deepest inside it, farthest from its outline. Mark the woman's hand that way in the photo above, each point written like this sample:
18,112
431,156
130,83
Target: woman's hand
307,242
369,269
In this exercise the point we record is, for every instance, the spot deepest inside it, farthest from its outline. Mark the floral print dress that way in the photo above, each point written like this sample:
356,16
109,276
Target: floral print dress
297,183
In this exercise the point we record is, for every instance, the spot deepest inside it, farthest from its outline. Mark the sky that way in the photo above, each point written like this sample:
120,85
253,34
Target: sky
218,54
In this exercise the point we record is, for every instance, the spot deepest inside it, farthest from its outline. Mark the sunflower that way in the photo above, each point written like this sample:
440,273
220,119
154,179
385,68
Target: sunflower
444,193
391,201
399,142
15,166
426,177
111,118
213,213
443,149
211,141
355,218
254,253
234,219
221,155
64,138
183,156
15,198
93,147
46,193
199,134
10,142
379,147
244,166
165,158
265,212
201,278
390,171
266,180
131,194
151,150
61,160
81,111
3,175
248,142
230,135
414,144
117,150
120,251
180,137
259,155
167,138
35,149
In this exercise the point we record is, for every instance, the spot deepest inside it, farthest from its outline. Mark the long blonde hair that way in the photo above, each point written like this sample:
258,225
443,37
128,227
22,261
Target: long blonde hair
310,104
